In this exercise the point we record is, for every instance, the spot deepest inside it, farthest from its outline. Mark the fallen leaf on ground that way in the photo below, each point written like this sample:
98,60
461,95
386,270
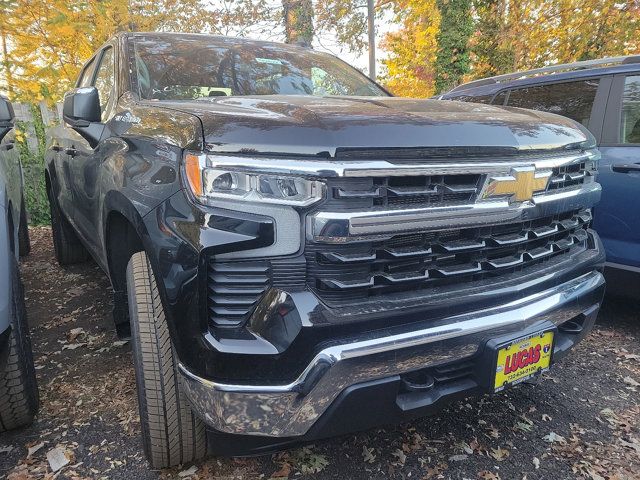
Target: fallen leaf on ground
399,454
458,458
631,381
553,437
487,475
59,457
74,333
633,444
188,472
34,448
499,453
367,454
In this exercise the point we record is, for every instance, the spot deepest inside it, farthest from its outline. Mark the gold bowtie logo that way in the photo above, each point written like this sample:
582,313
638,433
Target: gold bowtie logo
521,184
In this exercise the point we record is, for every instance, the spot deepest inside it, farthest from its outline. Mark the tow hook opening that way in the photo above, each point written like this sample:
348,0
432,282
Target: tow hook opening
418,381
573,327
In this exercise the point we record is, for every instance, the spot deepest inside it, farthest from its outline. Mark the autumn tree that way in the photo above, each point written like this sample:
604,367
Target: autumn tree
413,48
456,27
515,35
49,40
6,8
298,21
490,44
346,21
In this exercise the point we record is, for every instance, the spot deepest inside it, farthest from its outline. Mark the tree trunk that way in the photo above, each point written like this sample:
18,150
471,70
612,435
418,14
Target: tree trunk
5,60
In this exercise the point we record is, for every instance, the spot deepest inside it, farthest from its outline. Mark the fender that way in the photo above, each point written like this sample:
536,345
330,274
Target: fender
116,202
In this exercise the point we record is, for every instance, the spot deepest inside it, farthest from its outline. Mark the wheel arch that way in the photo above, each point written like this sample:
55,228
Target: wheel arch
124,234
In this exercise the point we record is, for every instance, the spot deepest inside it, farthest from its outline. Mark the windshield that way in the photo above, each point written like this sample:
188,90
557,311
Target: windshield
192,67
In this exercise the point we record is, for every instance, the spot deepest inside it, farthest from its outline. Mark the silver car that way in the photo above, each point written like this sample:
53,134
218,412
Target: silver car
18,389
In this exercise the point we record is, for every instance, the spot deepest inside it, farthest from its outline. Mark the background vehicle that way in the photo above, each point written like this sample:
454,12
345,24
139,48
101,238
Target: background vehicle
603,95
18,389
299,255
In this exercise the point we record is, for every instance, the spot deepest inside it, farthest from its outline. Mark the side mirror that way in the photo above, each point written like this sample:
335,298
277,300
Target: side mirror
81,111
7,117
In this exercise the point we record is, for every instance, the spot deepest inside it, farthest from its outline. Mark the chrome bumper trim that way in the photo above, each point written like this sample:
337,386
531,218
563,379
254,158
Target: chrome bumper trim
292,409
341,227
321,168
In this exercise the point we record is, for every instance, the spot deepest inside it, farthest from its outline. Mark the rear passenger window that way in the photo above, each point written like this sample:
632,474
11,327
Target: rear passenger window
569,99
630,125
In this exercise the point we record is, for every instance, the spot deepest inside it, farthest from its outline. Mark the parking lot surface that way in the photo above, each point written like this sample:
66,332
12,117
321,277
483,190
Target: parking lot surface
582,419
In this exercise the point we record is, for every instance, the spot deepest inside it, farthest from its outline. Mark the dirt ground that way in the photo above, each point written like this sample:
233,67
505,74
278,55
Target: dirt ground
582,420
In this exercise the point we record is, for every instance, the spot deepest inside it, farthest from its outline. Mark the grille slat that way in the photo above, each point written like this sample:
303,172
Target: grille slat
234,288
421,260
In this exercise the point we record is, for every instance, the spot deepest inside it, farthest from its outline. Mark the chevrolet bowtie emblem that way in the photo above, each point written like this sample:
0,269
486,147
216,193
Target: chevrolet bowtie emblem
521,184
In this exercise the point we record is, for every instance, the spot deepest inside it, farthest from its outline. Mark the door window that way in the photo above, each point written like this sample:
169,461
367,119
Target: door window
104,81
86,75
630,124
569,99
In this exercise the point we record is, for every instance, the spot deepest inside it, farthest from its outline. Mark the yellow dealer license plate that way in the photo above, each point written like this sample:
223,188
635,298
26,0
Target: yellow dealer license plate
522,359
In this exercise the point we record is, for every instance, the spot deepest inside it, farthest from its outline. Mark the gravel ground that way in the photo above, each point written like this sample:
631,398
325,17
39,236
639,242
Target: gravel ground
582,420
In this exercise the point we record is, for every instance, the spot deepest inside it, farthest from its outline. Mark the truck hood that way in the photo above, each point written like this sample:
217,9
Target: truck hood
306,125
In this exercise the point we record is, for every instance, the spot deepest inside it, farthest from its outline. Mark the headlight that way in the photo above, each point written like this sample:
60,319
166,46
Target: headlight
208,182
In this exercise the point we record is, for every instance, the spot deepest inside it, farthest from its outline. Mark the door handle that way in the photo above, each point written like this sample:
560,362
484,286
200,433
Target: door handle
626,167
56,148
9,146
72,152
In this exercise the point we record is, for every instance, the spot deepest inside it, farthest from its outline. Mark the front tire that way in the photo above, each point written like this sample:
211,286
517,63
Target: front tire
19,398
171,433
66,244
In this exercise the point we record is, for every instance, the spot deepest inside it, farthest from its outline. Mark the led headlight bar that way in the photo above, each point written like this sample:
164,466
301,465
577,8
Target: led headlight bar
209,182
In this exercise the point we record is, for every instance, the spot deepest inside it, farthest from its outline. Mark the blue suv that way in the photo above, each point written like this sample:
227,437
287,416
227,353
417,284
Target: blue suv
603,95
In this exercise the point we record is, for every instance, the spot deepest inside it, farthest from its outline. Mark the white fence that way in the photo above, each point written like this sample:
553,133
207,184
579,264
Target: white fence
50,116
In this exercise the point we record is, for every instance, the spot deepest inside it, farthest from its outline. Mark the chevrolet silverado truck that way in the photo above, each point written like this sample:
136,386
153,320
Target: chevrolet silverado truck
297,254
18,388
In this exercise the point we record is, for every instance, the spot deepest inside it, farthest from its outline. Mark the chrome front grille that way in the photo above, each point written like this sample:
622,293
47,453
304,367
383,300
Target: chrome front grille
572,176
402,192
347,272
423,191
393,225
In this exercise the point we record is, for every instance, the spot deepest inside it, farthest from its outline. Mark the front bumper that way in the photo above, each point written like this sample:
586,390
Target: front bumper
299,410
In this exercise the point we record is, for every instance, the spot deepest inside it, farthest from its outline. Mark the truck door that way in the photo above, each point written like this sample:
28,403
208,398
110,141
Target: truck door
61,154
617,216
86,161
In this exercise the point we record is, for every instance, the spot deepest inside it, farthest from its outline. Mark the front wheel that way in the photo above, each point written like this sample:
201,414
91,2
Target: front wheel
66,244
171,433
18,389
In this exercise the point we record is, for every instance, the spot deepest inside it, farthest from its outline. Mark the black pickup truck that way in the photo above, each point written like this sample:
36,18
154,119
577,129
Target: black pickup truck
297,254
